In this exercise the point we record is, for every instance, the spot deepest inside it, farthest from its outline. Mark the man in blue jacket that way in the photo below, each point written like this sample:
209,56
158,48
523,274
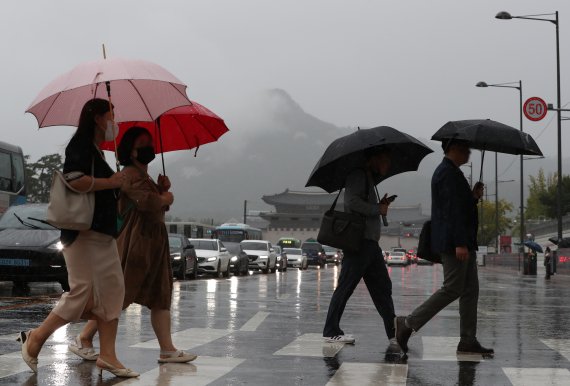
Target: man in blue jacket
454,238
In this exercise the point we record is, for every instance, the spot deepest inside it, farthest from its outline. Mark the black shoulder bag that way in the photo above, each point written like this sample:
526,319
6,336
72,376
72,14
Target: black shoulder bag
424,245
342,230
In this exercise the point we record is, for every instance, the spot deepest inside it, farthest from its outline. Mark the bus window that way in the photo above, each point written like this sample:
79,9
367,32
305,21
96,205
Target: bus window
19,176
5,172
188,230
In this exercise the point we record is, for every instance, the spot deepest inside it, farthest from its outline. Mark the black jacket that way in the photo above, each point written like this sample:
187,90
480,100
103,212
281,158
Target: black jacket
453,210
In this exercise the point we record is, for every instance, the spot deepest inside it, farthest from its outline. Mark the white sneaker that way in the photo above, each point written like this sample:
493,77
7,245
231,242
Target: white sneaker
348,339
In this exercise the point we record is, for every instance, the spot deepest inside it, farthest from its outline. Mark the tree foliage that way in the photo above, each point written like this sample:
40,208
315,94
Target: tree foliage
542,200
39,175
487,225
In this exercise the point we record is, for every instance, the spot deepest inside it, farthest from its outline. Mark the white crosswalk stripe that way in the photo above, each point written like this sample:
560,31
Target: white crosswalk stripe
444,348
364,374
188,339
311,345
255,321
201,372
537,376
560,345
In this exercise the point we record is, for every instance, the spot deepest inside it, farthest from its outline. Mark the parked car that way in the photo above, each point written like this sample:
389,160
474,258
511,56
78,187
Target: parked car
183,257
213,257
261,255
398,258
30,250
296,258
315,253
333,255
238,261
281,259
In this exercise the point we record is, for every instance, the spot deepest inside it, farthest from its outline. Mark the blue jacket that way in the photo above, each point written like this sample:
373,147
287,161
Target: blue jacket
454,219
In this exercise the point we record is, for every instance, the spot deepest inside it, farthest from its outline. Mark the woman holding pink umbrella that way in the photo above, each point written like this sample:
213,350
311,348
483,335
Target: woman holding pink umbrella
94,267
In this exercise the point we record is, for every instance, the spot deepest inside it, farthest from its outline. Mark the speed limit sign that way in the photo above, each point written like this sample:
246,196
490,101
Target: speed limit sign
535,108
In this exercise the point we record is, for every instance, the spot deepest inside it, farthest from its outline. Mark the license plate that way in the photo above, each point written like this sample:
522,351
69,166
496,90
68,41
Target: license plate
15,262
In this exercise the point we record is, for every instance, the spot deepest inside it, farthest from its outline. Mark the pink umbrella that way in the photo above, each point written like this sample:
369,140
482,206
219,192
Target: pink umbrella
141,91
181,128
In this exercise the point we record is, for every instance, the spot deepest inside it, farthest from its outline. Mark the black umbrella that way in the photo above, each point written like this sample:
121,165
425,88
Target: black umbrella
565,243
488,135
348,152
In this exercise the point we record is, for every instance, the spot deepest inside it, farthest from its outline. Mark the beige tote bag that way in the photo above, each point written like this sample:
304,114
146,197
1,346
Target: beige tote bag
70,208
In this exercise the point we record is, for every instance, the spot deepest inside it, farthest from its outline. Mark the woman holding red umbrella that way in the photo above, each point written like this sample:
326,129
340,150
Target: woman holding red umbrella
143,245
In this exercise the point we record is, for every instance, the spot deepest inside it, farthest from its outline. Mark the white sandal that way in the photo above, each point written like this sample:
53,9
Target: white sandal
178,356
87,353
32,362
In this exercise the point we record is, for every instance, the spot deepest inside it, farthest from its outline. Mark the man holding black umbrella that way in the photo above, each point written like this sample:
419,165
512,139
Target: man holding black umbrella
368,263
454,238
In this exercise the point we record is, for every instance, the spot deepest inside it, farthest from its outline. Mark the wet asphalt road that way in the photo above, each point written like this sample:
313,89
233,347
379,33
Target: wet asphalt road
265,330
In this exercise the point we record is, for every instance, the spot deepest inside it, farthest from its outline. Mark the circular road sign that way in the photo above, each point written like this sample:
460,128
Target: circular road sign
535,108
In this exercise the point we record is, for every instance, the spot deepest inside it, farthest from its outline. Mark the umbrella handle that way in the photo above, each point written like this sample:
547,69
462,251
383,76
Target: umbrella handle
482,162
161,148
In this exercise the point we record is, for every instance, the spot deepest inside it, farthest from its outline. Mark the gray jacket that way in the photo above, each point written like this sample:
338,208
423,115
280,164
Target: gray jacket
355,201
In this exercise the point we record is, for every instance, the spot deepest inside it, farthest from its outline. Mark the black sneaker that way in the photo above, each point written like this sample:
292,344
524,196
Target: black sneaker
474,348
403,332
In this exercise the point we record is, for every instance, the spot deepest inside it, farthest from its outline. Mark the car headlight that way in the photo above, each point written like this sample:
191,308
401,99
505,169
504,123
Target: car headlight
336,255
279,258
57,246
263,257
212,258
176,256
234,259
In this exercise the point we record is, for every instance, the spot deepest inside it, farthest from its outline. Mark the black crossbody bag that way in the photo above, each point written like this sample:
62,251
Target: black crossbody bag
343,230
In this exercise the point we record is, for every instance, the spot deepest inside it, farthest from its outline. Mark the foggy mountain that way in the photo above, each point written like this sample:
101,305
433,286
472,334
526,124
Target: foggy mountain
275,144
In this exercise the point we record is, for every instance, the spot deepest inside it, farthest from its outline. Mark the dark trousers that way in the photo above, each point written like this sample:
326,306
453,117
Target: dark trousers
367,264
460,281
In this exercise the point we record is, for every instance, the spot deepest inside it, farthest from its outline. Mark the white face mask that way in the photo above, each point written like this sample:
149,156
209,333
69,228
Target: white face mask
112,131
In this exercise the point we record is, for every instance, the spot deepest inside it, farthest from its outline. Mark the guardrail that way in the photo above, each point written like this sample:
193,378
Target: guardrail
548,227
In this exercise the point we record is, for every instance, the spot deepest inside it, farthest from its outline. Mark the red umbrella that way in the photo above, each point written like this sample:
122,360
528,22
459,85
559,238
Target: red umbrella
182,128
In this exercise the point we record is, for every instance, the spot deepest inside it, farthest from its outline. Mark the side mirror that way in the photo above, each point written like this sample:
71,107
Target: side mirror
189,246
223,250
271,250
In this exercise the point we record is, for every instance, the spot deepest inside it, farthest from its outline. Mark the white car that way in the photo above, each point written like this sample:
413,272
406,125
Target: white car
397,258
296,258
261,255
213,257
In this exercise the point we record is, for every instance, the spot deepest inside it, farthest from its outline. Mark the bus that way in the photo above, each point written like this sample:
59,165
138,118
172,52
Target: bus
289,242
236,233
192,230
12,176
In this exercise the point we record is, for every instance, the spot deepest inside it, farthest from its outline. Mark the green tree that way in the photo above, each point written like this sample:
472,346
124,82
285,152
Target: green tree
538,187
487,233
549,197
39,175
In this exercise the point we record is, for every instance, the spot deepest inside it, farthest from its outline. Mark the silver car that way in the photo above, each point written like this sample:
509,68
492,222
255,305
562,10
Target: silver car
397,258
261,255
296,258
213,257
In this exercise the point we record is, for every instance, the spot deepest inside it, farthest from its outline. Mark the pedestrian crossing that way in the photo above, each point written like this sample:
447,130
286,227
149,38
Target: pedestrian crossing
208,369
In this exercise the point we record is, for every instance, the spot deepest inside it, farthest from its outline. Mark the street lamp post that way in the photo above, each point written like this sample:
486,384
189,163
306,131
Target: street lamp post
517,87
507,16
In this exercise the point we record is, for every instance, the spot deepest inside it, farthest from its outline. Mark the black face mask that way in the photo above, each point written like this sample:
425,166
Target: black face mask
145,154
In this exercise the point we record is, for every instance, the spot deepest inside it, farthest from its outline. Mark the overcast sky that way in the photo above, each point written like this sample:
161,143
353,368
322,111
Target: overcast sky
409,64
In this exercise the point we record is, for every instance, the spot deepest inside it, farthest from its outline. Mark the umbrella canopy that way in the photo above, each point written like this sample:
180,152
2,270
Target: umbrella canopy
348,152
488,135
181,128
564,243
141,91
533,245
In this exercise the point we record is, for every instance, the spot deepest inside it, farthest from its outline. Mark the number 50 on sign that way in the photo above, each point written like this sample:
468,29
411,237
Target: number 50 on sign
535,108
